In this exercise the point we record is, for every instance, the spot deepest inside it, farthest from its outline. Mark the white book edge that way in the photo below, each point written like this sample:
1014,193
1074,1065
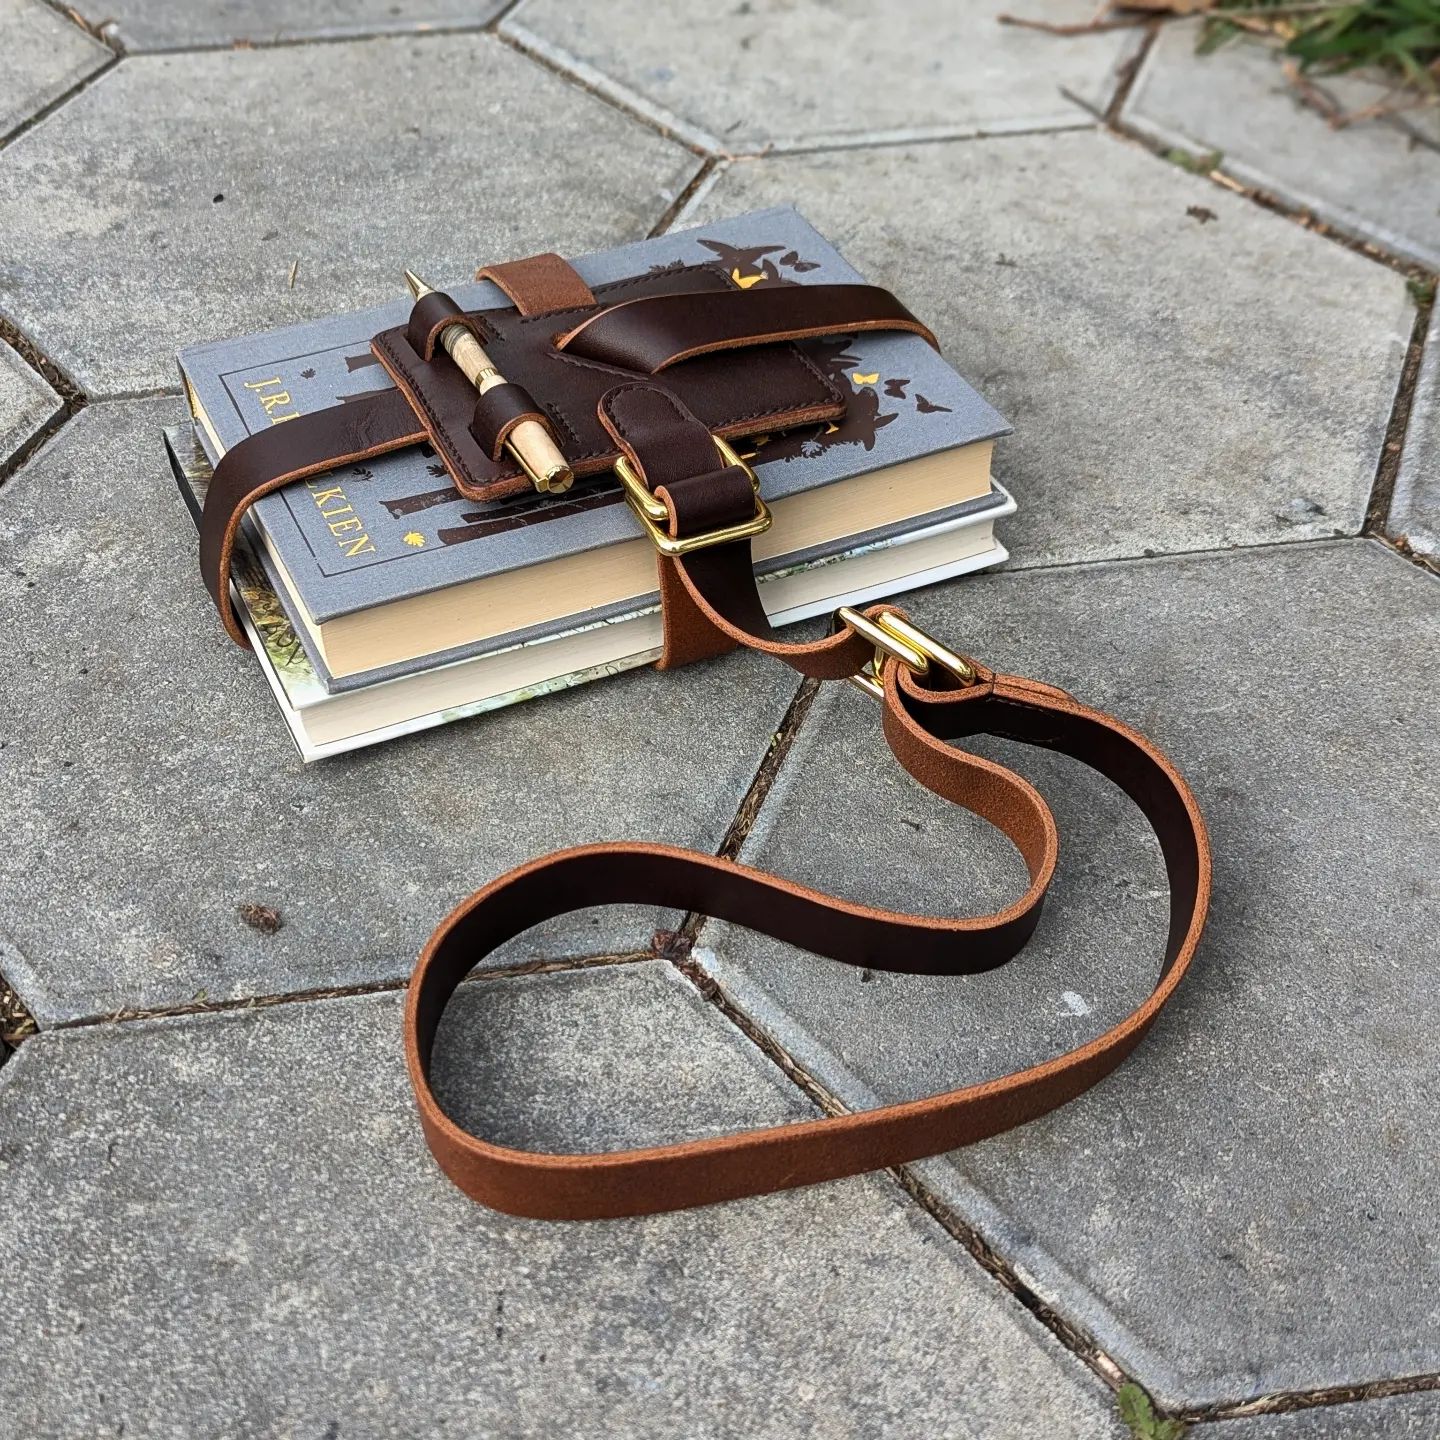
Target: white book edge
807,595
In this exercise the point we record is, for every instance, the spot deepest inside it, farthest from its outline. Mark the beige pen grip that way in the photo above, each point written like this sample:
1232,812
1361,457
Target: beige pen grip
529,441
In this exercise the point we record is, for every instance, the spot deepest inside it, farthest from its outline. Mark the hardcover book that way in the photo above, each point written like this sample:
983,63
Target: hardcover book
383,570
324,719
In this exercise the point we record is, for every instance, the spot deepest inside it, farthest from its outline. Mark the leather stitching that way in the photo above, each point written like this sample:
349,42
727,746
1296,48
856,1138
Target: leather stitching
397,364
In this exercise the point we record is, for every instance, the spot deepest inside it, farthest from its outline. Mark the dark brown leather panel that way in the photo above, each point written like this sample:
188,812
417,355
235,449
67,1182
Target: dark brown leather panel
777,387
651,334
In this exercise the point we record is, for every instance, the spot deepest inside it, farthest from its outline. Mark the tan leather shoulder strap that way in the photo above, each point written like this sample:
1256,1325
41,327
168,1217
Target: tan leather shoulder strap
713,591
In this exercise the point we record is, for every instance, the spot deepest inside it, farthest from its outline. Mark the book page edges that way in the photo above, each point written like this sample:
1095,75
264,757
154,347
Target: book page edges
494,605
525,671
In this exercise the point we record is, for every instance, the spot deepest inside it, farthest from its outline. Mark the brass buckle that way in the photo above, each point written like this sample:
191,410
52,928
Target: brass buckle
895,638
654,515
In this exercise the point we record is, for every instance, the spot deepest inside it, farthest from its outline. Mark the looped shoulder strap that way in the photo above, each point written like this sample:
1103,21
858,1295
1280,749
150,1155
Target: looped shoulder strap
931,698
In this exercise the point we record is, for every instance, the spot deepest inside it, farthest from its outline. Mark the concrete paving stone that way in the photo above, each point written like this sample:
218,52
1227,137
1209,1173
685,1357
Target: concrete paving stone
763,74
1376,180
1245,1207
180,24
148,788
41,56
230,1226
1175,383
1415,505
1400,1417
171,200
26,402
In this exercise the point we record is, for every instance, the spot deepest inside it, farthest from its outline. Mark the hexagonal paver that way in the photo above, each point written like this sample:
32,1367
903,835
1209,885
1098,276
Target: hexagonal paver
1415,505
1375,180
1245,1206
170,201
776,74
231,1226
26,403
147,789
1176,382
181,24
1400,1417
42,55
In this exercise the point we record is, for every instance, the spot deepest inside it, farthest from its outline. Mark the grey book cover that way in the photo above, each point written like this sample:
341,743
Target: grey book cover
193,472
417,535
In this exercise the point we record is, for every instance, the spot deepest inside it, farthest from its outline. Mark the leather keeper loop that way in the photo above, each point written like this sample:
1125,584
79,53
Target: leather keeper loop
431,314
539,284
705,502
499,410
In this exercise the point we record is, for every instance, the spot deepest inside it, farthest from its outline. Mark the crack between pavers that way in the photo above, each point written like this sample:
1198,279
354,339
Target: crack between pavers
1125,80
1297,214
1209,552
504,13
519,970
72,398
94,29
295,42
42,437
677,206
613,100
1382,491
1285,1402
27,125
677,945
50,371
786,148
17,1024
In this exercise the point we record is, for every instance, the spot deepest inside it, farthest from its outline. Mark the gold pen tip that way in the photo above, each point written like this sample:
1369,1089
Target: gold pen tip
417,286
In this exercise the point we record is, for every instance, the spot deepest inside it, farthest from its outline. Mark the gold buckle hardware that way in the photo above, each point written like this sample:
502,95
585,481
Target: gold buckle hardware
654,515
895,638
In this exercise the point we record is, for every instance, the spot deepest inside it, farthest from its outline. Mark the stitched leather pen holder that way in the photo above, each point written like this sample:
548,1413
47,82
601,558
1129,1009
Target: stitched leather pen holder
729,355
773,386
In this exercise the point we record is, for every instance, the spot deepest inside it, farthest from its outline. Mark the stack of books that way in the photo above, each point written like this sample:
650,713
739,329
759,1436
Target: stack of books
381,602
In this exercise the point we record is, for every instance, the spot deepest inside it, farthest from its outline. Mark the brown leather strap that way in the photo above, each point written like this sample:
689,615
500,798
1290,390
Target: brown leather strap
306,445
652,333
922,716
539,283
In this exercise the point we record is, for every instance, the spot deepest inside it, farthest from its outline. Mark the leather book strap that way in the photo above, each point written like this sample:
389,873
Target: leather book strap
650,334
931,698
639,334
304,446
